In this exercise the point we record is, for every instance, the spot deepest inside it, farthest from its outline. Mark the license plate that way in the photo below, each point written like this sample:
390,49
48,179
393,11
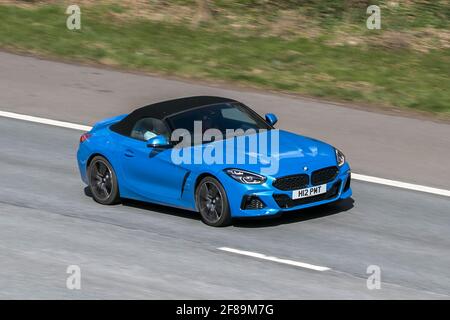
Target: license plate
309,192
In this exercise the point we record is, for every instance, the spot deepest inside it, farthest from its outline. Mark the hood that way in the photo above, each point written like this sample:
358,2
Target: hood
284,153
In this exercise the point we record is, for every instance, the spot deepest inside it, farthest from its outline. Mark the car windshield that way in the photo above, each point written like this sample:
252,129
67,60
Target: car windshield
226,116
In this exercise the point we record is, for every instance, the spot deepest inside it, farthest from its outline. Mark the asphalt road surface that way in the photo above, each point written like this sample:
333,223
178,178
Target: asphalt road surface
137,250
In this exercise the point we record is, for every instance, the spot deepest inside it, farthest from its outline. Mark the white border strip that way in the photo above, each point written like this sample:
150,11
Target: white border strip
44,121
361,177
275,259
399,184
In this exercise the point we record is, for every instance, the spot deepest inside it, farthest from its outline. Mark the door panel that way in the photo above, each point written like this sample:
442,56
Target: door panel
150,173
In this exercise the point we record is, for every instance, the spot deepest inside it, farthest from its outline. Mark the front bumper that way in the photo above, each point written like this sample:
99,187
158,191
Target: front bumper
277,201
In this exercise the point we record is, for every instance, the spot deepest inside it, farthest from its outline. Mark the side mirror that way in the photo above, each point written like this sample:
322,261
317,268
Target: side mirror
271,119
158,142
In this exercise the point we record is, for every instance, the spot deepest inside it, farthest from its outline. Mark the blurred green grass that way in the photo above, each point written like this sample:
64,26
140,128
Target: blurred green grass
374,74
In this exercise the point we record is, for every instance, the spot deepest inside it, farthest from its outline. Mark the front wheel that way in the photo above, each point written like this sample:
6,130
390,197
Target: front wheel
103,181
212,202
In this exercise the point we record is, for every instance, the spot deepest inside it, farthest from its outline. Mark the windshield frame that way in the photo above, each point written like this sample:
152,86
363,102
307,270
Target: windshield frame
260,121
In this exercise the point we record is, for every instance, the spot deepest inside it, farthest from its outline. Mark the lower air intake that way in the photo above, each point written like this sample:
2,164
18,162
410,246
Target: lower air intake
252,203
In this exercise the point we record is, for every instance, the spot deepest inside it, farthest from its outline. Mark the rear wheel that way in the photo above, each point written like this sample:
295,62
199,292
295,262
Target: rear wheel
212,202
103,182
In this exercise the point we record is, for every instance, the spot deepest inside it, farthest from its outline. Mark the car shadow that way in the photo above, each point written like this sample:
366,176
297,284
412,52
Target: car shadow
295,216
182,213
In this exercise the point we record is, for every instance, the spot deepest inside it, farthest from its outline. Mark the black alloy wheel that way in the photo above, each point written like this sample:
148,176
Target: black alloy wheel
212,202
103,181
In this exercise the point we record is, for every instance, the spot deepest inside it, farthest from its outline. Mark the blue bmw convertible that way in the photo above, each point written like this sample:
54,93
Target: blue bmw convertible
211,155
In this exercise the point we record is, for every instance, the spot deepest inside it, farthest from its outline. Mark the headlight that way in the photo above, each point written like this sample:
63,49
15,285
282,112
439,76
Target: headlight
340,158
245,177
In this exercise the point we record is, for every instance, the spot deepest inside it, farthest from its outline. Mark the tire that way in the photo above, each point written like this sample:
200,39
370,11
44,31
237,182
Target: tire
212,202
103,181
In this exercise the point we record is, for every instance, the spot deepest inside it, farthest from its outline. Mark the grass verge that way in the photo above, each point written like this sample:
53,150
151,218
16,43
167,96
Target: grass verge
309,65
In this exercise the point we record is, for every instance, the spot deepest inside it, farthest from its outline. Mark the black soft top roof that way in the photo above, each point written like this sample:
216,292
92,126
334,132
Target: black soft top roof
164,109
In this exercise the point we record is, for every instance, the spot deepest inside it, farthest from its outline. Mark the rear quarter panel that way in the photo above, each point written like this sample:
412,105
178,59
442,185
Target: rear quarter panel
100,143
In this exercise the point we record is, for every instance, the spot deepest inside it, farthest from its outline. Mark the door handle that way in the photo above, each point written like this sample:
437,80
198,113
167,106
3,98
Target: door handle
129,153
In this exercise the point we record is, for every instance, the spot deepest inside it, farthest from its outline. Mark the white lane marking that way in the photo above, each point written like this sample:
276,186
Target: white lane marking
44,121
355,176
399,184
275,259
